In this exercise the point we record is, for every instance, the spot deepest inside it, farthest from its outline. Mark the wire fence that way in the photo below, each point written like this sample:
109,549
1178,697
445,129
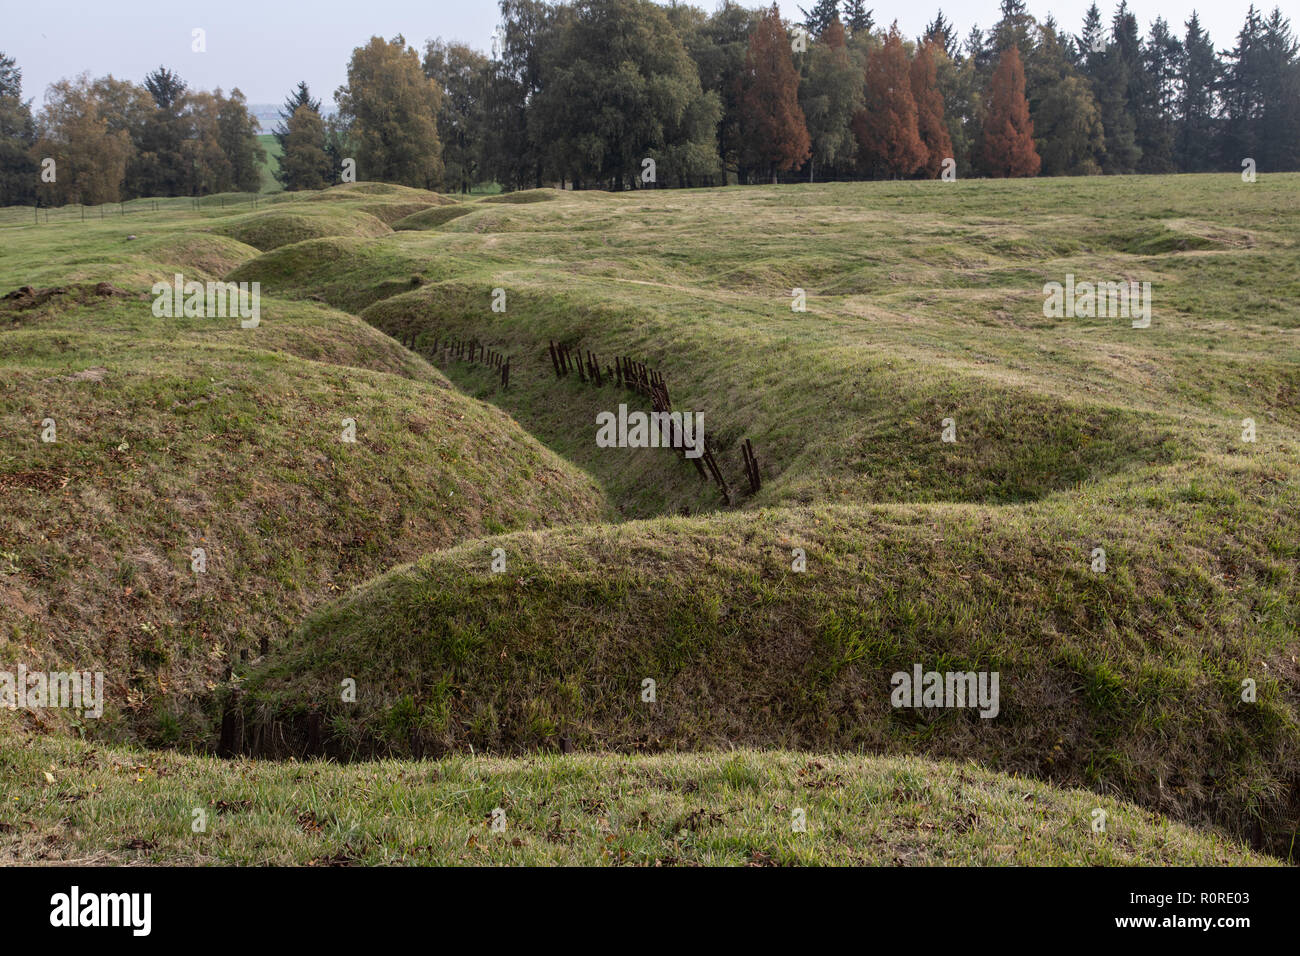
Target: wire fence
219,204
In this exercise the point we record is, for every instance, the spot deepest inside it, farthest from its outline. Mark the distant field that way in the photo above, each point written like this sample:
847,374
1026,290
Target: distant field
273,152
373,562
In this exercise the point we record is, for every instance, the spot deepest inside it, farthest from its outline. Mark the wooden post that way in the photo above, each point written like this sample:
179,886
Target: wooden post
232,728
751,466
313,734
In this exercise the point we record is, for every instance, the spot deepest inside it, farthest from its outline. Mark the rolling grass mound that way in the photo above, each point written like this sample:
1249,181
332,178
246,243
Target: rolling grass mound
134,257
433,217
1126,682
110,806
176,434
522,197
1014,442
271,230
390,213
347,272
367,192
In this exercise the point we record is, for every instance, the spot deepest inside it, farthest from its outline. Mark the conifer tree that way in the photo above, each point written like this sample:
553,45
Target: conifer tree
857,18
823,13
301,96
929,109
304,164
1198,76
774,129
1008,144
1279,122
18,170
941,31
888,139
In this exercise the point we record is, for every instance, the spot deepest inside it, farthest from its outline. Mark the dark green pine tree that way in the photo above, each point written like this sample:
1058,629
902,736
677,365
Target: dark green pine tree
300,96
857,18
1092,40
1243,93
1155,112
1110,77
1198,77
820,16
980,52
286,174
1279,126
941,31
1016,26
159,166
18,170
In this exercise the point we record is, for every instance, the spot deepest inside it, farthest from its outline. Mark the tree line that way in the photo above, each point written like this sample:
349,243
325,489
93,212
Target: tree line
619,94
106,140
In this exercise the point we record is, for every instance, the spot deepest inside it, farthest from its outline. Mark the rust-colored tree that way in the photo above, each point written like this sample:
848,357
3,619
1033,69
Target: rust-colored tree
773,128
889,142
929,110
1008,148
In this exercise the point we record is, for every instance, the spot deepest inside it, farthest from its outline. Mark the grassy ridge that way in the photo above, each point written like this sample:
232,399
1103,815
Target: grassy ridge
103,806
176,434
1128,682
924,303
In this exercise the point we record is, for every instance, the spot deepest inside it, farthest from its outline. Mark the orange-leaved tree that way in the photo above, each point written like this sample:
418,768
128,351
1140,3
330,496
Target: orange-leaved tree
1008,148
772,123
889,142
929,110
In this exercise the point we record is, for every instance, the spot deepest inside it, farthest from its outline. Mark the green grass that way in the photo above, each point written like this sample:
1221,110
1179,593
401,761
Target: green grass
271,146
104,806
924,304
192,432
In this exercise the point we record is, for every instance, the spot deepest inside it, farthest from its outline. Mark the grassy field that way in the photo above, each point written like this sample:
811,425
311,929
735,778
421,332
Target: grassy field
924,303
271,146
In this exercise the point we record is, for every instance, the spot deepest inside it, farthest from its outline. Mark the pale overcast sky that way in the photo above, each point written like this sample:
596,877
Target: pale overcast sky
265,47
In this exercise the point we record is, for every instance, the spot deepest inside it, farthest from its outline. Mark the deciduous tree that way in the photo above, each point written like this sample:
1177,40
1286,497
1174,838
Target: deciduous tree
391,108
831,97
90,158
